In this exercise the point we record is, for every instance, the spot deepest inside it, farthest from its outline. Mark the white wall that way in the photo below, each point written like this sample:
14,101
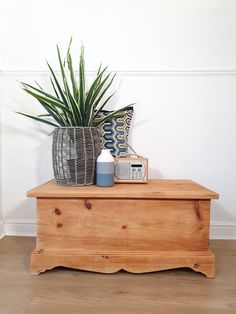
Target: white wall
175,58
2,233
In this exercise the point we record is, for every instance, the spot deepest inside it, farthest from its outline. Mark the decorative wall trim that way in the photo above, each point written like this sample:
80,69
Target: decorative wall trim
158,72
20,227
28,228
223,230
2,229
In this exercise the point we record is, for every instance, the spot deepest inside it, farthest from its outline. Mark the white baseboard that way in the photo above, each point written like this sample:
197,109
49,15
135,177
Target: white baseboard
23,227
20,227
2,229
223,230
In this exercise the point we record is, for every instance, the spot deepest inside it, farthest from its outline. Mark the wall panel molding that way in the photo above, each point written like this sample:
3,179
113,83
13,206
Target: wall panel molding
20,227
158,72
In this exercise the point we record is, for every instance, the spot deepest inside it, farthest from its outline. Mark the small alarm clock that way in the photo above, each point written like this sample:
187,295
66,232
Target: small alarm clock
132,169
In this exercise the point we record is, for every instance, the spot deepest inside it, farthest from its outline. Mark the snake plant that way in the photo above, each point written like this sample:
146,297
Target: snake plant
71,104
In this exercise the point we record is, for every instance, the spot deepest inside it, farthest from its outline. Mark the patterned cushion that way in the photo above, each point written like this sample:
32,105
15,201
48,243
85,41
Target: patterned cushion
114,133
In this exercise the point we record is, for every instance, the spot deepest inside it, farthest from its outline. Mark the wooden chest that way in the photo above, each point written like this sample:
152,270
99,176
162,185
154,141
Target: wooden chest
140,228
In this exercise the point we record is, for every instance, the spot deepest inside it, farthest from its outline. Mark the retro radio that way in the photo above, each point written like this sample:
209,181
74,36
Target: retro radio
132,169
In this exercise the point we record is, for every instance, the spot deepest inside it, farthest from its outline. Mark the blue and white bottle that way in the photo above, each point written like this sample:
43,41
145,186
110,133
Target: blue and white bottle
105,169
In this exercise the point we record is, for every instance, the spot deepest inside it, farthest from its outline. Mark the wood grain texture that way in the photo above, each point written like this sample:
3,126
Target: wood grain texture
135,262
154,189
107,233
63,290
133,225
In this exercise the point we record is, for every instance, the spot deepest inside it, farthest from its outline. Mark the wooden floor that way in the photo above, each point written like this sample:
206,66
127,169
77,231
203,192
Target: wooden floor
70,291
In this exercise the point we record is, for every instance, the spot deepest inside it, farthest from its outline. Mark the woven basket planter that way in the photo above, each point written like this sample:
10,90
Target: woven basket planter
74,153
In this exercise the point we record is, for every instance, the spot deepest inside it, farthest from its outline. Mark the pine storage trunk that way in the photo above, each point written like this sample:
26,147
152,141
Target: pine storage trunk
139,228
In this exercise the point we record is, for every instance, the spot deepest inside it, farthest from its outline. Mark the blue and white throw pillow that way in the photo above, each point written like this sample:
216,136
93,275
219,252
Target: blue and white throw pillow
115,132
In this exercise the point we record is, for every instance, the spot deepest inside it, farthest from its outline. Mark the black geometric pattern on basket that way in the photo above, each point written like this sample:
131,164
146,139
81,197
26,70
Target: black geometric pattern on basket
115,133
74,152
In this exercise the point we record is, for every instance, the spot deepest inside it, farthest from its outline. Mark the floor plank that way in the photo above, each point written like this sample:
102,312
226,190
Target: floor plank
65,291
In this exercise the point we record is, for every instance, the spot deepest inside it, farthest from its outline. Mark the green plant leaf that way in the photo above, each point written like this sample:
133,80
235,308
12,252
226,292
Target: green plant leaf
38,85
54,88
28,86
111,115
92,89
101,107
97,101
44,115
49,101
63,74
99,72
60,91
54,113
58,86
82,92
98,93
75,109
73,105
99,88
93,114
99,69
72,75
70,104
37,119
48,115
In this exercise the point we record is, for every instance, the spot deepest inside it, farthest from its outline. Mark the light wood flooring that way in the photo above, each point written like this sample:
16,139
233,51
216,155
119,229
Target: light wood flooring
66,291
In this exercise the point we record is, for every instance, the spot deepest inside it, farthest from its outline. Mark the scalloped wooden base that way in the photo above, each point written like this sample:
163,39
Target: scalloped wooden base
111,262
